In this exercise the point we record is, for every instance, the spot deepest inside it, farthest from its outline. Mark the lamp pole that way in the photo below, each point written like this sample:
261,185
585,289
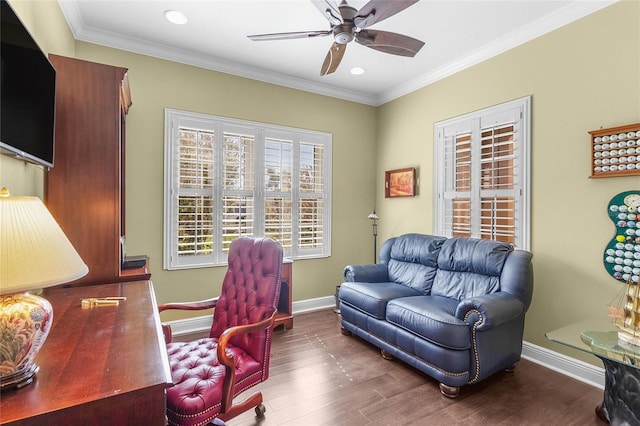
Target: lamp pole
374,218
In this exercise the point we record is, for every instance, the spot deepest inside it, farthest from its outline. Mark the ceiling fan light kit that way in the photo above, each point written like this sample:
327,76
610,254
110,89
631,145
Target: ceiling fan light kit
349,24
343,33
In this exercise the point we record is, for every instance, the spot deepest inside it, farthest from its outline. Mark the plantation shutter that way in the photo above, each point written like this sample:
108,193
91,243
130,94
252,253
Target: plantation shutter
499,178
226,178
192,194
482,174
278,187
456,196
238,179
311,181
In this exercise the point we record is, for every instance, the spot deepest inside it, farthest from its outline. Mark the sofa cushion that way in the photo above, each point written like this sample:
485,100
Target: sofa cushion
413,260
469,267
432,318
372,298
463,285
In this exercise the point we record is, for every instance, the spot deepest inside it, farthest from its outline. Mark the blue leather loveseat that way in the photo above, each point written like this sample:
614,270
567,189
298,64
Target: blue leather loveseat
452,308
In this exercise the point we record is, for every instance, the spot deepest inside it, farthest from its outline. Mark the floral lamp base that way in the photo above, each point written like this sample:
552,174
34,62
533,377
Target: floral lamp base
25,321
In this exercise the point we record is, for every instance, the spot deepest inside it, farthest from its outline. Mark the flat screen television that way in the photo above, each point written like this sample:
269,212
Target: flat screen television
27,89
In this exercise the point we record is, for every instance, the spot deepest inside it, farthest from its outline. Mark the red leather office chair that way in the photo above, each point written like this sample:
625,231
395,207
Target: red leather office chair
210,372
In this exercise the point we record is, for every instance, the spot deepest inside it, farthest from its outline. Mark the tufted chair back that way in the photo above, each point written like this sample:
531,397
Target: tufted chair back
248,295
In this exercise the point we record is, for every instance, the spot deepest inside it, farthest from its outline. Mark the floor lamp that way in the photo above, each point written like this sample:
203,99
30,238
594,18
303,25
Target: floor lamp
374,218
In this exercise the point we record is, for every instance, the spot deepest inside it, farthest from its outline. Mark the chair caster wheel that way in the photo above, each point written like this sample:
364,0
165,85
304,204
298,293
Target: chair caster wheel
260,410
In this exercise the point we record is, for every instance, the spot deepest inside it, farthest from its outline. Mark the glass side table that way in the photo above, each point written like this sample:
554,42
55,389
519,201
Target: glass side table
621,404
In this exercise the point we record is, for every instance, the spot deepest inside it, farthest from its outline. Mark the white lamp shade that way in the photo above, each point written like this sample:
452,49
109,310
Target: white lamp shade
34,252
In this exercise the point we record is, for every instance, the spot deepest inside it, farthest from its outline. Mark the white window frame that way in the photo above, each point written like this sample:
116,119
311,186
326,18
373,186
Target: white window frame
518,110
175,119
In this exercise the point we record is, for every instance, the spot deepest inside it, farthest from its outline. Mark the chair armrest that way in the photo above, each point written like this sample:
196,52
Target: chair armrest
185,306
229,362
190,306
490,310
372,273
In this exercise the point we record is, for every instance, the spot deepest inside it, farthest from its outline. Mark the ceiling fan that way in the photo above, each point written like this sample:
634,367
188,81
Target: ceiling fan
348,24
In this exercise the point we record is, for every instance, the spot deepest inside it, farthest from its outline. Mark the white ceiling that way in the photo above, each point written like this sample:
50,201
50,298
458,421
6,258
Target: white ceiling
457,34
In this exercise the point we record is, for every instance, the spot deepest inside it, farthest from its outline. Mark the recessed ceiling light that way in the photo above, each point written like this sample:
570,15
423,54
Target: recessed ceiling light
357,71
175,17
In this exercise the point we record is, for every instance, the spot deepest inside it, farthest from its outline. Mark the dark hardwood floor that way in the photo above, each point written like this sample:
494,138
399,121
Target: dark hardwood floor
320,377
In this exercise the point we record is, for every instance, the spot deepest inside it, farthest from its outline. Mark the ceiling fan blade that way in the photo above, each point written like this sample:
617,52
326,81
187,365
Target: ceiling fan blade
387,42
378,10
333,58
285,36
329,10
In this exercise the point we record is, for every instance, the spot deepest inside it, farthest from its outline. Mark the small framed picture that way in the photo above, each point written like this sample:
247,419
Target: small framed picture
400,183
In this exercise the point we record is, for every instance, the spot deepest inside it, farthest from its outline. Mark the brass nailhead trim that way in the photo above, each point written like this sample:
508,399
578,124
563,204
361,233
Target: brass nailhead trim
475,343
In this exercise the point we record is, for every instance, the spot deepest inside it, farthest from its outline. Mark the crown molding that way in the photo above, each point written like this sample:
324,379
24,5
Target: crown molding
71,13
88,34
570,13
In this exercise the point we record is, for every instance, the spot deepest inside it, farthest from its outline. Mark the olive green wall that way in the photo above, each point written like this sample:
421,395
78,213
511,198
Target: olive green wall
157,84
582,77
50,30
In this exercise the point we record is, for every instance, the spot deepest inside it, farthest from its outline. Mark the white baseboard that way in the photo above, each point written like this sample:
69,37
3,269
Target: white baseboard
566,365
202,324
563,364
316,304
195,325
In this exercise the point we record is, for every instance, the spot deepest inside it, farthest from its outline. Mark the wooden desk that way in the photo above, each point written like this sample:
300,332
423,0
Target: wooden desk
104,365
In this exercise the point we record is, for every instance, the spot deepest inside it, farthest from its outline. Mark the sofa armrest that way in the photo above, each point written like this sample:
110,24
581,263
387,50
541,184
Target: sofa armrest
490,310
372,273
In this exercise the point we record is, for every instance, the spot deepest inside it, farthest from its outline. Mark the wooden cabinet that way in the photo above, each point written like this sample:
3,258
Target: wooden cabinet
85,188
285,312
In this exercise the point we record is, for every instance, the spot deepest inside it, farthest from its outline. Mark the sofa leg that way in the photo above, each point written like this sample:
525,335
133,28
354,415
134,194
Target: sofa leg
386,355
510,369
449,391
345,332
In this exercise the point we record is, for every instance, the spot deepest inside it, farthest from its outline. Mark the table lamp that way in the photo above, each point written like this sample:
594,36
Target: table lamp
34,254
